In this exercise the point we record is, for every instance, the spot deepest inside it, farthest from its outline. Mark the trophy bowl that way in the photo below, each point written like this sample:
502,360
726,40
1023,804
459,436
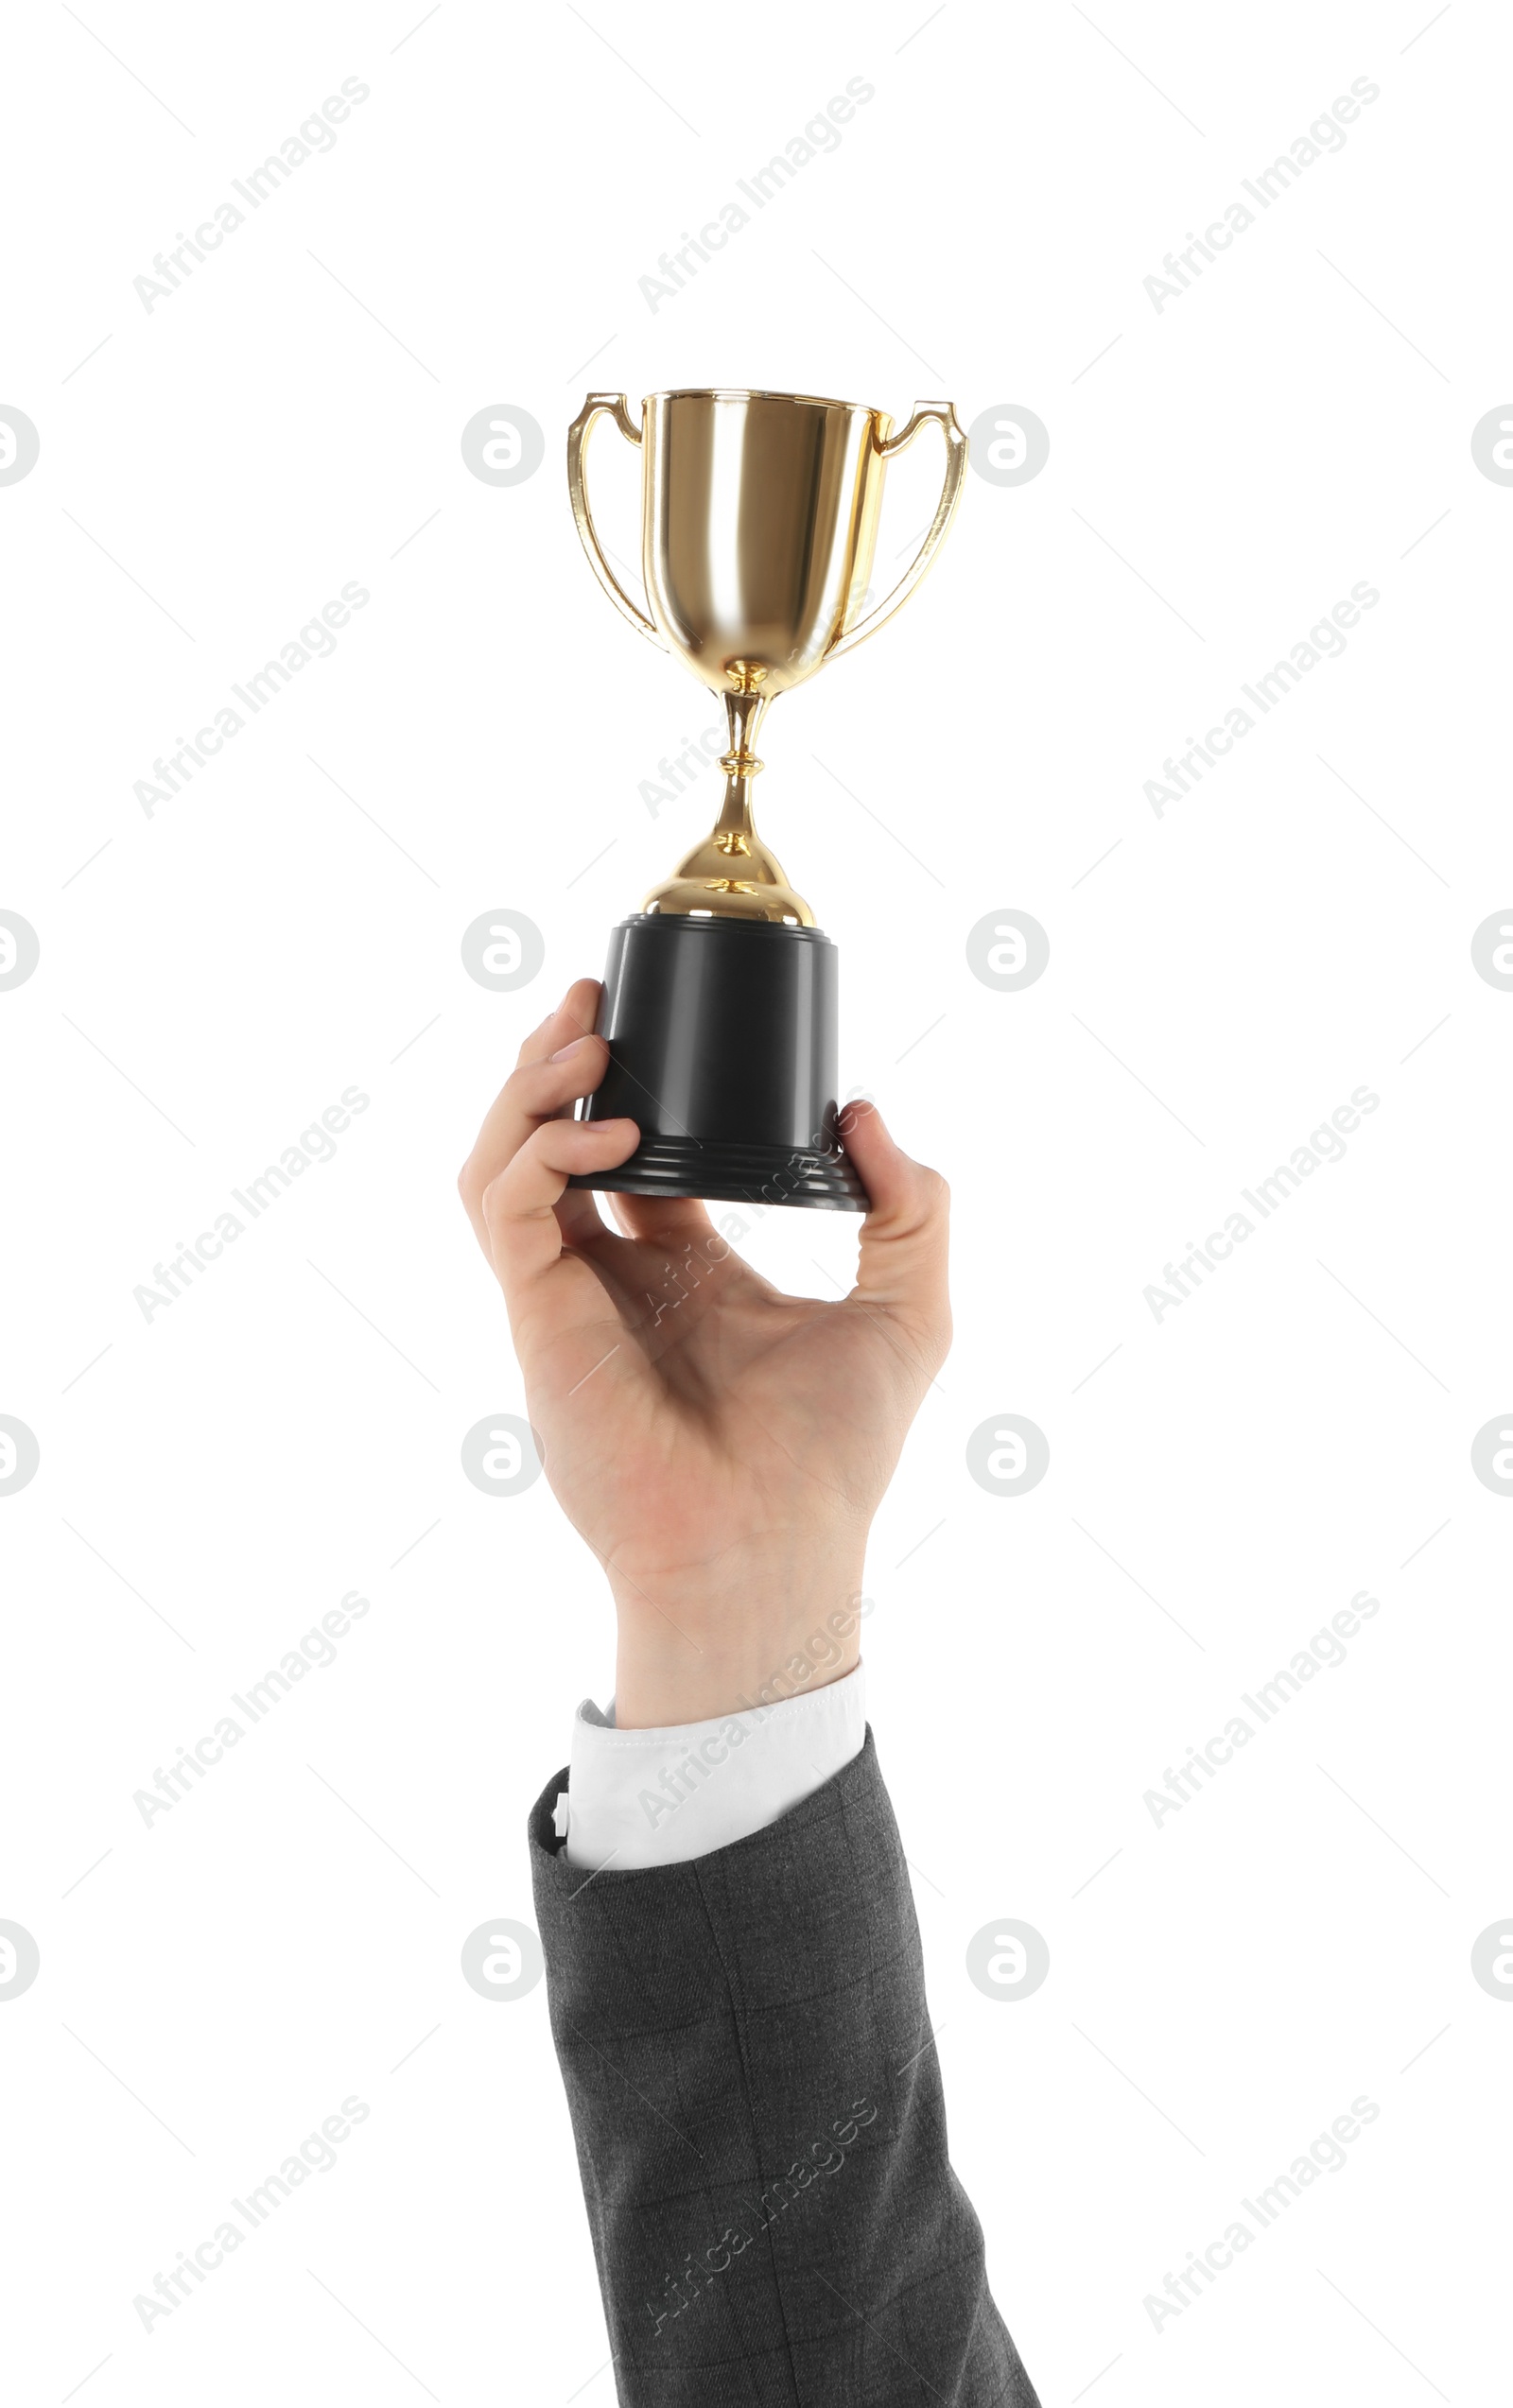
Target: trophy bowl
760,513
759,524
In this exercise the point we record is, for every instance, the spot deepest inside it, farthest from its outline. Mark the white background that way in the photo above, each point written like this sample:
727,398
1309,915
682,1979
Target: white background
1221,1986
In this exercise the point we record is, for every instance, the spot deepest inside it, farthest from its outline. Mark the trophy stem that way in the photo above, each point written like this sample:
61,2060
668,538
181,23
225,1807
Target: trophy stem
732,875
744,713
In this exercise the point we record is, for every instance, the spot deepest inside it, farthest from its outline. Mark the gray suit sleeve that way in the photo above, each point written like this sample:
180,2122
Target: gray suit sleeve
761,2135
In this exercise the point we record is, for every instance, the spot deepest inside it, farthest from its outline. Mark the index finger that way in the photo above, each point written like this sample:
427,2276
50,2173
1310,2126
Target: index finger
539,1088
574,1017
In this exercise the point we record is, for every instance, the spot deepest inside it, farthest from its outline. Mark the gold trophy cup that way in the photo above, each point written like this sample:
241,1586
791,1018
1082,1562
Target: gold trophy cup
758,521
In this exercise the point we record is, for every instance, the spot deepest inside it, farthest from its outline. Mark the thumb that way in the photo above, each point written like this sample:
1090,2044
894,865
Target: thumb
904,1238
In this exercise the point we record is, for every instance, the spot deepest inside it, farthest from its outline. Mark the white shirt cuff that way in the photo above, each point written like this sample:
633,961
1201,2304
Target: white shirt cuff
641,1798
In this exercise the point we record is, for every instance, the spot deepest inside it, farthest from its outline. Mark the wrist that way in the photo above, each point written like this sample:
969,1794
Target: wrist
692,1657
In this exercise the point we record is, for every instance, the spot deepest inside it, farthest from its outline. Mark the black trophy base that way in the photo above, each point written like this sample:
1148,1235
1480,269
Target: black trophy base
722,1049
732,1174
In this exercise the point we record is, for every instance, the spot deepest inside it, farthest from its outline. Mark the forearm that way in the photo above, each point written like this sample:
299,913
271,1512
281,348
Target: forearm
758,2106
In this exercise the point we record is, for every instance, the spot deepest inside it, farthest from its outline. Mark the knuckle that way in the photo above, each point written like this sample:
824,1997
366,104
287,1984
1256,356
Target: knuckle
590,1059
525,1054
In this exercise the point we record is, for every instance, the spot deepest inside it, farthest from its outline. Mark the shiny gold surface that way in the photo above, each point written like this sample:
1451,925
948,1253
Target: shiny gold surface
758,523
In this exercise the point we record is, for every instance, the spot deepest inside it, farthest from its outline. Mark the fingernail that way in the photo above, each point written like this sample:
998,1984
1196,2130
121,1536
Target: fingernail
563,1050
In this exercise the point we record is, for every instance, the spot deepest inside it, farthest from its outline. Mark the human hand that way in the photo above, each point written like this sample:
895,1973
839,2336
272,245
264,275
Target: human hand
721,1447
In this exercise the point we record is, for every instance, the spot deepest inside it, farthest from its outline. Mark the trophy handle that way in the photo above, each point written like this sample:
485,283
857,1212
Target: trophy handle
578,433
955,470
